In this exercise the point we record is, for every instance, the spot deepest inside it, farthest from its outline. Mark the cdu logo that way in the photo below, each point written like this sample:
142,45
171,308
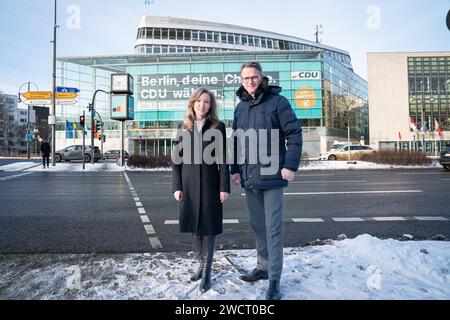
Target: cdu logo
448,20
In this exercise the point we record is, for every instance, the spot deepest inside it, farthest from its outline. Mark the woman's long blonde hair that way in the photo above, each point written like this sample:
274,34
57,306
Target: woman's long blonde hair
189,118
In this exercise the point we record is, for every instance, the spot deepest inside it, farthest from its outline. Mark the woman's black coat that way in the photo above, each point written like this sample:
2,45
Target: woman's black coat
201,211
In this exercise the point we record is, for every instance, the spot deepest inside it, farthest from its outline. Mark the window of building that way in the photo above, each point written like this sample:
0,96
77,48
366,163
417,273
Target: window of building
216,37
244,40
251,41
224,37
157,33
164,49
172,34
179,34
264,42
149,34
209,36
269,43
187,35
157,49
194,35
230,38
164,33
258,42
172,49
202,35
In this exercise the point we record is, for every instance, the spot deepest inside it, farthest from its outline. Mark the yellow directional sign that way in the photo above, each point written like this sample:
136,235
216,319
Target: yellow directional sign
66,95
38,95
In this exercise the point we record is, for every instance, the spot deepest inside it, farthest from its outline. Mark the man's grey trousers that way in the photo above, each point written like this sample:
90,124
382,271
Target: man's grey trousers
265,209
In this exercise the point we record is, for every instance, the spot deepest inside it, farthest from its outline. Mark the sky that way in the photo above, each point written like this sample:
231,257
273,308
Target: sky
104,27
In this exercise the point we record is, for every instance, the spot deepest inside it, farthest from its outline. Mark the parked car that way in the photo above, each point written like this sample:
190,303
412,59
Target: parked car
75,152
356,152
444,160
114,154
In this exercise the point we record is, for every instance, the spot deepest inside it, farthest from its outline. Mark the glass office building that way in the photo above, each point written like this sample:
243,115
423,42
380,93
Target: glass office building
319,88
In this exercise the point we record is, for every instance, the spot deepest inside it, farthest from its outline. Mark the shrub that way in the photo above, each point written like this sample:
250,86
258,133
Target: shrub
397,157
149,161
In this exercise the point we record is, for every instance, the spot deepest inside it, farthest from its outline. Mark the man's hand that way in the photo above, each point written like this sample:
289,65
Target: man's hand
287,175
179,196
223,197
236,179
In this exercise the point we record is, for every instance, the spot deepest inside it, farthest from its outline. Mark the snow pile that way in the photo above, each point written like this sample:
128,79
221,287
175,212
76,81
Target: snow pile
19,166
359,165
360,268
78,166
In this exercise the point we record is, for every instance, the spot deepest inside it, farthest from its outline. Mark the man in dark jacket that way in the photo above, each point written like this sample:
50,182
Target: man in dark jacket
45,149
262,108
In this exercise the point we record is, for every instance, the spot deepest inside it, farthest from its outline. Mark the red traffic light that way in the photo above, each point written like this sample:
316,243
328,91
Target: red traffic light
82,121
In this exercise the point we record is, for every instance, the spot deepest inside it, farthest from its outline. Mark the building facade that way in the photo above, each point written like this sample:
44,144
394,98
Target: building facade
408,91
13,126
320,84
177,35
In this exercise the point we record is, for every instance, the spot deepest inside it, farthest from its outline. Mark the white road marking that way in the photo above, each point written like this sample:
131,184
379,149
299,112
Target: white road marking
351,192
388,218
307,220
431,218
348,219
15,176
156,244
149,229
154,241
171,222
230,221
329,181
417,173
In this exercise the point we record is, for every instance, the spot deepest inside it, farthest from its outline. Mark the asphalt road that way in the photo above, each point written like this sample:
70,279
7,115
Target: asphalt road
101,212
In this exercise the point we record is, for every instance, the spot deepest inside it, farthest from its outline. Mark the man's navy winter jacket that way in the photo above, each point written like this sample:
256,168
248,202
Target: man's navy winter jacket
268,110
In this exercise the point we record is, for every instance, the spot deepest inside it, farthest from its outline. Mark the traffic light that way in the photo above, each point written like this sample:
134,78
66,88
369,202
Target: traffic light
90,107
97,126
82,121
102,138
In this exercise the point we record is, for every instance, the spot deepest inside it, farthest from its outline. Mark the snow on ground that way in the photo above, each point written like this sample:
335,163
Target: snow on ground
113,167
360,268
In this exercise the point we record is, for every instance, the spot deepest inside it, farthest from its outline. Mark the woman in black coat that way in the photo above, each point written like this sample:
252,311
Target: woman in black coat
200,178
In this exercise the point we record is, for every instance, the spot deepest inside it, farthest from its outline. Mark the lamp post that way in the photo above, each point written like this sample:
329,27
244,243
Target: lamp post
53,109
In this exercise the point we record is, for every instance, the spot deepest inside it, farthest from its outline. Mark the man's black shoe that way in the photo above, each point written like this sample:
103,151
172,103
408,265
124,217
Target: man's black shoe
273,293
255,275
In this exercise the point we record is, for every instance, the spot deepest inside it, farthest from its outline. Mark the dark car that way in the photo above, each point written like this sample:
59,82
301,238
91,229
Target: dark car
114,154
444,160
75,152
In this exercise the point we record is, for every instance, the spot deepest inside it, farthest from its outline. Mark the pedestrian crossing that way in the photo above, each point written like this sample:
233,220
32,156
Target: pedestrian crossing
338,220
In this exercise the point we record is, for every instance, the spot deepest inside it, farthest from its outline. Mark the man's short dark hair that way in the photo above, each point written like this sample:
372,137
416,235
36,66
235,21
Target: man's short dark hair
252,64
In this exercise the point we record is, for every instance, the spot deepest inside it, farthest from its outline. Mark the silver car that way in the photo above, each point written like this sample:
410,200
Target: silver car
75,152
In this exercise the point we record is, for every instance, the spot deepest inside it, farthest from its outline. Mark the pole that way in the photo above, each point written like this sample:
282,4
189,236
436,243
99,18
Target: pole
84,138
53,113
122,143
28,127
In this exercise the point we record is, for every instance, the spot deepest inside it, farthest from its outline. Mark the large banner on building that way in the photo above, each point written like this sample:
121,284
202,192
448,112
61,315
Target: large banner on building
173,87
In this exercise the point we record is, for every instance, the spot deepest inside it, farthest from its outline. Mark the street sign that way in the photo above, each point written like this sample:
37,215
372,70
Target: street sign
67,89
66,95
38,102
66,101
29,137
40,95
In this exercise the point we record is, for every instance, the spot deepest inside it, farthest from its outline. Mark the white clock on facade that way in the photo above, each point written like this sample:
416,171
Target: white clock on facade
122,83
